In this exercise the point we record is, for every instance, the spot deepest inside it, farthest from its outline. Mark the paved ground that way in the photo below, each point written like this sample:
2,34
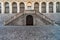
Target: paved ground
49,32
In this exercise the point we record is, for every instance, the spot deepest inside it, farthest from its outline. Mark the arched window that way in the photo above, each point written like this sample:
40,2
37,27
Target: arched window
51,7
0,7
22,7
36,6
43,7
58,7
14,7
6,7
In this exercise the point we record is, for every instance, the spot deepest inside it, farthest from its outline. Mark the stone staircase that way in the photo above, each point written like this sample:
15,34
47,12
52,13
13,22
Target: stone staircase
44,18
40,15
13,18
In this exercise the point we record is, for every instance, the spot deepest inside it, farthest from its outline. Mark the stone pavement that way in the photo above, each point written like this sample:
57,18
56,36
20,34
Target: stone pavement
49,32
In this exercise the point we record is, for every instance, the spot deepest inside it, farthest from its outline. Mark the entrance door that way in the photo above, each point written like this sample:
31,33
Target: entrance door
29,20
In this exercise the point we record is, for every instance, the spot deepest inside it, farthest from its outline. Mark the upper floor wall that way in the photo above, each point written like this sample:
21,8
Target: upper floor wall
43,5
29,0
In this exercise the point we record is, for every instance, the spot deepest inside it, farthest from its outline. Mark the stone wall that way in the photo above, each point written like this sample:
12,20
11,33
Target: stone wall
55,17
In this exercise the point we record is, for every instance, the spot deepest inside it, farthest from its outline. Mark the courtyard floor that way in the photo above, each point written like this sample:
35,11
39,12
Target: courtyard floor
49,32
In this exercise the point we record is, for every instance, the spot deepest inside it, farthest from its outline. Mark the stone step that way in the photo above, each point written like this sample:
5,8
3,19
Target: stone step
45,18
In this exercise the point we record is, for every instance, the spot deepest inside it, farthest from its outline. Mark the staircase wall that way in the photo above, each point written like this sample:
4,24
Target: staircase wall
17,22
21,21
39,21
54,16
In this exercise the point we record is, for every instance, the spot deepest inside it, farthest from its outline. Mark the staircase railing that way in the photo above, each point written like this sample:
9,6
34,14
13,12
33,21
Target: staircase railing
13,17
45,17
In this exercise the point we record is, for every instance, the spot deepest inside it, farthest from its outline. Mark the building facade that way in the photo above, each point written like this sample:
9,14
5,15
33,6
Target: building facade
43,6
51,8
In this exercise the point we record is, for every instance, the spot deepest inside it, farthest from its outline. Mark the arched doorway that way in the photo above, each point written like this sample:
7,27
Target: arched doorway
29,20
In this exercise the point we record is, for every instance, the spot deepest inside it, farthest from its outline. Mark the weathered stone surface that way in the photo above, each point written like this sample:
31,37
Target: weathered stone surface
29,33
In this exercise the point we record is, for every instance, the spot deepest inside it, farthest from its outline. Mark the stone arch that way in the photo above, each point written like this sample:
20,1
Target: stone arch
36,6
29,20
58,7
14,7
43,7
29,5
50,7
6,4
22,7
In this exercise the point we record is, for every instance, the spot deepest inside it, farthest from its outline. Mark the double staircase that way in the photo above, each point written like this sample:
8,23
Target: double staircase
44,17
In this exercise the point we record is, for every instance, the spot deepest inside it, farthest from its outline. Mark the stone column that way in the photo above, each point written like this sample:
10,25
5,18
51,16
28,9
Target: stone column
47,7
40,7
32,5
10,5
18,7
54,7
25,6
2,6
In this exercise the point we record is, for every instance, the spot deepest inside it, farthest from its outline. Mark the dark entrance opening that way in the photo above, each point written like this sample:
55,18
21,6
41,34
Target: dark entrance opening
29,20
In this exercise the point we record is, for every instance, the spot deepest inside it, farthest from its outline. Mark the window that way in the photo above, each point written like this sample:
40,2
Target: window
58,7
0,7
29,7
14,7
36,6
6,7
22,7
43,7
50,7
